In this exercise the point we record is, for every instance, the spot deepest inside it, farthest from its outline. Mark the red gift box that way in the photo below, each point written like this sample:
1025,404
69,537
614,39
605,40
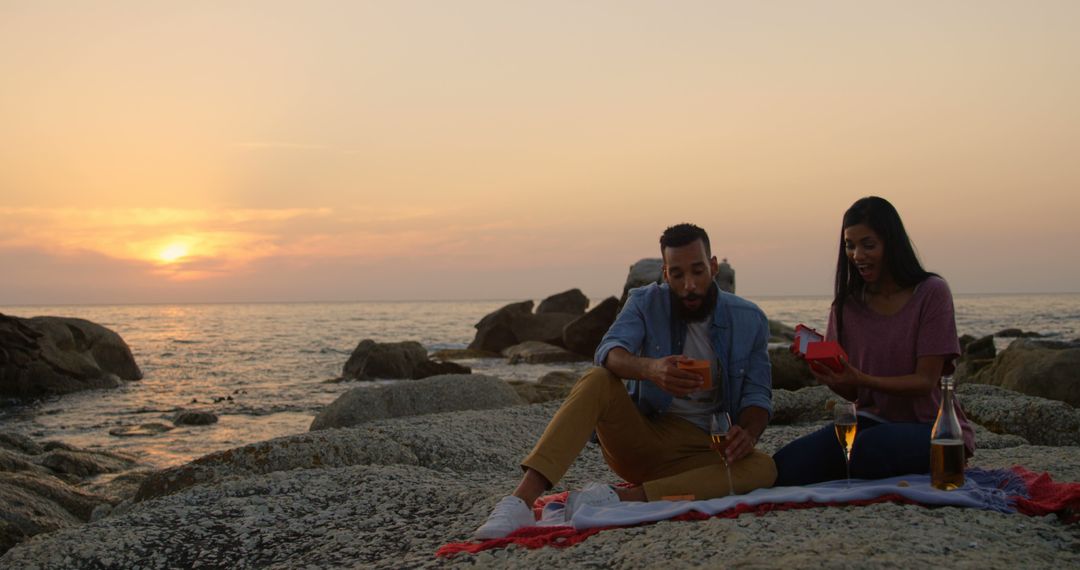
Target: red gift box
826,353
811,346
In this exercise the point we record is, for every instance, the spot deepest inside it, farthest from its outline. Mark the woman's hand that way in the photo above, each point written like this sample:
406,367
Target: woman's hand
845,383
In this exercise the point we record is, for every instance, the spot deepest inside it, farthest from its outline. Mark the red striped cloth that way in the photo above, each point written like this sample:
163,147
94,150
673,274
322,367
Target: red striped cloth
1034,494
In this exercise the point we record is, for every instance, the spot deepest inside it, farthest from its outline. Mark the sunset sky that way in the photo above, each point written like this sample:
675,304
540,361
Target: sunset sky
345,150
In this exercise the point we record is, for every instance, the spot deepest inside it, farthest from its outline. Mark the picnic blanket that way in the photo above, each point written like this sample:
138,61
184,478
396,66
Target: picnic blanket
1015,490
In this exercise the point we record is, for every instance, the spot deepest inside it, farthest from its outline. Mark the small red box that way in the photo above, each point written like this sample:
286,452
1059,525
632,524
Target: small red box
826,353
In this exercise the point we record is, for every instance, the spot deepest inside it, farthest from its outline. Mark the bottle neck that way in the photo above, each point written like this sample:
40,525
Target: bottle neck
947,389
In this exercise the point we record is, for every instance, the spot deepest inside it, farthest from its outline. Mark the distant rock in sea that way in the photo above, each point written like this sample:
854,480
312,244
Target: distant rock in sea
43,356
562,323
395,360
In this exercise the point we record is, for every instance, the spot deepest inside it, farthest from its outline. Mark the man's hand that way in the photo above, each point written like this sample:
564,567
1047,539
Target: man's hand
666,374
740,444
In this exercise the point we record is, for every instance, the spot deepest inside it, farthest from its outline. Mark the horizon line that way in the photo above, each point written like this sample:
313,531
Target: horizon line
464,300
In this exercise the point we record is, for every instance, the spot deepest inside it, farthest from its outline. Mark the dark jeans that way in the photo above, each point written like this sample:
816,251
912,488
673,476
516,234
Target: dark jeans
881,450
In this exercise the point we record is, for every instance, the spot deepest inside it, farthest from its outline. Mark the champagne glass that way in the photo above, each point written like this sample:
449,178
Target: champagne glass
719,427
845,422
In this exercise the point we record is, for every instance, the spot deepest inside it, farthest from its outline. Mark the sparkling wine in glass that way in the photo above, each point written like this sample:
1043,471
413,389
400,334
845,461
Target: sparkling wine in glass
719,428
845,422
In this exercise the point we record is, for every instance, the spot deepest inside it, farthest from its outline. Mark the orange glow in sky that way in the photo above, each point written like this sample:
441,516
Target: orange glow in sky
173,252
171,152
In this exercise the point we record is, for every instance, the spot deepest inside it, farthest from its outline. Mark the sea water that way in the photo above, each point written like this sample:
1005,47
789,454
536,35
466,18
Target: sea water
265,369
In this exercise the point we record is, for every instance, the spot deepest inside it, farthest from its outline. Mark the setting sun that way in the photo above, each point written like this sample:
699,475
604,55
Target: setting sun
173,252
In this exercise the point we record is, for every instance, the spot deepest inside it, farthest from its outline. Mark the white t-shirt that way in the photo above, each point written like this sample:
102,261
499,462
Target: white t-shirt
698,406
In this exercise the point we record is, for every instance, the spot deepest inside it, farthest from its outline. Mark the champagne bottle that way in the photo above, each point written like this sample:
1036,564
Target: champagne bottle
947,443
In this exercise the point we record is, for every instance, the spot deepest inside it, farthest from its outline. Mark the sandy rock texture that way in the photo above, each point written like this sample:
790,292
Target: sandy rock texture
442,393
48,486
394,490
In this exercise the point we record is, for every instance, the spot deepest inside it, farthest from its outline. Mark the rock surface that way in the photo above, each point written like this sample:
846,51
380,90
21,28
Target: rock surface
1039,420
535,352
41,486
641,273
651,270
583,335
195,418
1046,370
551,386
445,393
395,360
388,493
573,302
495,332
44,356
789,372
544,327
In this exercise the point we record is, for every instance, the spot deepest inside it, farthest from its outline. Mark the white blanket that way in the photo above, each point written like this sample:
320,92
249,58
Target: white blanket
915,487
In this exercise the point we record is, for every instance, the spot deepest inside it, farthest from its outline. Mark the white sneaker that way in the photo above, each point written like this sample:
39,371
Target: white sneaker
595,494
509,514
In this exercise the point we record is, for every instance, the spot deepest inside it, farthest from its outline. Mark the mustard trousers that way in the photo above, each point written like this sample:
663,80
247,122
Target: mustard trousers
667,455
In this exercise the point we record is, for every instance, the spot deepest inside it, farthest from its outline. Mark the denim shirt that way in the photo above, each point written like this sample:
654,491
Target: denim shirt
739,333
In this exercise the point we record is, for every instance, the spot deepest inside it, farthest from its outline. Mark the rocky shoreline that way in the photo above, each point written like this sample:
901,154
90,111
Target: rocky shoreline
388,473
397,489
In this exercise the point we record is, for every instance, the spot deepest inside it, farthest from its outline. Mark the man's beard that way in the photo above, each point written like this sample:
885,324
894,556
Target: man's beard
704,310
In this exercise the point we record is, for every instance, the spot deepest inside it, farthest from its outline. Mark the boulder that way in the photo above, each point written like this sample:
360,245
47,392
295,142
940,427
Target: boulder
789,372
445,393
779,332
545,327
980,348
395,360
462,354
559,379
1016,333
651,270
1035,368
643,272
551,386
583,334
143,430
16,441
38,491
194,418
494,332
813,404
44,356
977,355
83,464
535,352
725,276
1038,420
573,302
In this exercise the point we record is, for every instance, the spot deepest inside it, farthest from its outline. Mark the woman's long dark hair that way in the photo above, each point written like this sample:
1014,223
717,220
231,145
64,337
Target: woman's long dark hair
900,258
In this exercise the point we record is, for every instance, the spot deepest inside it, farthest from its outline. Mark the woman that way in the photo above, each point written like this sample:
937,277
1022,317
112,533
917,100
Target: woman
895,321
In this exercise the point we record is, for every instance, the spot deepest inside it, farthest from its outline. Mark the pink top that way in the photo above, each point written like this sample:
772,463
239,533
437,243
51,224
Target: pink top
891,345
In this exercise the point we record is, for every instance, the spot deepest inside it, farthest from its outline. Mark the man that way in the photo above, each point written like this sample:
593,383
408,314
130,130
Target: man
654,432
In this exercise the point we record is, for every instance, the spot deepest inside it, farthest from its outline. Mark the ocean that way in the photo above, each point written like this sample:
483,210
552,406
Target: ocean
263,368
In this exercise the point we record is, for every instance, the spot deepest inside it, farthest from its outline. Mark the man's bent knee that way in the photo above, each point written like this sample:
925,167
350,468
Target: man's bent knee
755,471
597,377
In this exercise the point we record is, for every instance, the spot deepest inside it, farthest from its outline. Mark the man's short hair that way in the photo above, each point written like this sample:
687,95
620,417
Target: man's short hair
684,234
